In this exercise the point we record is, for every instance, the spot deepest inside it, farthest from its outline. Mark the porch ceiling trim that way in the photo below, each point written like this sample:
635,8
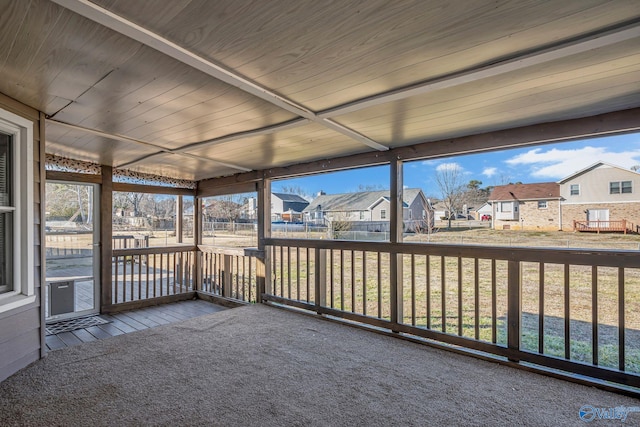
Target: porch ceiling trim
576,46
116,23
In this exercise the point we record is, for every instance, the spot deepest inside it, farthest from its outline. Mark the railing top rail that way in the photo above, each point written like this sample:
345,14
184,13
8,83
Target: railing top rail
598,257
254,252
154,250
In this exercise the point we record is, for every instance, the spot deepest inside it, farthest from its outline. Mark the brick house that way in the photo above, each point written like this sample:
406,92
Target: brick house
526,206
602,194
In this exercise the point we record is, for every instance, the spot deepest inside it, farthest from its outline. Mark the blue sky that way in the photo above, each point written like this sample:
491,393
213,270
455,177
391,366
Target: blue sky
542,163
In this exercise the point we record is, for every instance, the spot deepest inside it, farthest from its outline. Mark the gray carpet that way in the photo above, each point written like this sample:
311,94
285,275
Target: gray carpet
259,365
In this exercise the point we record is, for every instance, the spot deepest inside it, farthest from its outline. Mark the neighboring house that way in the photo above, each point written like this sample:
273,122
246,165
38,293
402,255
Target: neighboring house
440,211
526,206
287,207
372,207
601,192
485,211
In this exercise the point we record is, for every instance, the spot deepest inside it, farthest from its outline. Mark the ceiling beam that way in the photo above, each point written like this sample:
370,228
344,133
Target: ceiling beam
267,130
130,29
559,51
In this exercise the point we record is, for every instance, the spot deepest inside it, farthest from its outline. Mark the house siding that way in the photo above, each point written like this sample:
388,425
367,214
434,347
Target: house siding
594,186
22,330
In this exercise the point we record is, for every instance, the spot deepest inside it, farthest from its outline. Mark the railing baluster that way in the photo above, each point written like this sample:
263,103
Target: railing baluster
289,272
154,256
443,281
364,283
541,308
341,280
567,314
476,296
428,289
494,308
307,263
250,261
282,271
298,273
133,269
114,299
139,276
353,282
379,285
594,314
413,290
331,290
460,322
621,320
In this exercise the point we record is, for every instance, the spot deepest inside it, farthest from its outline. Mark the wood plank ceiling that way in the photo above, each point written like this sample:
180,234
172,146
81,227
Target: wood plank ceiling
195,89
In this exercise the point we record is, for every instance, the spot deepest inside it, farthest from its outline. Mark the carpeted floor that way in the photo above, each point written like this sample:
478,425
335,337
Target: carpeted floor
259,365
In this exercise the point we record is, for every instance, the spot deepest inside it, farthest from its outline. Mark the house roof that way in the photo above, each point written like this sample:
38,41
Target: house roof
537,191
592,167
287,197
360,201
203,89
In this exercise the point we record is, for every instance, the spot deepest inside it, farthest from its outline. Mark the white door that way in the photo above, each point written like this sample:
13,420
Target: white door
72,239
598,217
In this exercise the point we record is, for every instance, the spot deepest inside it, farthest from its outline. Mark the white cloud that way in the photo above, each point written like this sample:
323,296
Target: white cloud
558,163
489,172
449,167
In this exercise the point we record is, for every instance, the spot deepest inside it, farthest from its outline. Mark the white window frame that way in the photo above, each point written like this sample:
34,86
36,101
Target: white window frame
383,214
622,187
614,187
542,204
577,193
21,132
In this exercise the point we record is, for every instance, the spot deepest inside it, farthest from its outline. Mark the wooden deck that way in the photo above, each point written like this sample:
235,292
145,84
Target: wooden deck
132,321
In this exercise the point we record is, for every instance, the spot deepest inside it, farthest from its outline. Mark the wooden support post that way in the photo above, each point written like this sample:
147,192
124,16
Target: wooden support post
179,220
197,240
320,277
514,306
264,231
396,228
227,275
106,237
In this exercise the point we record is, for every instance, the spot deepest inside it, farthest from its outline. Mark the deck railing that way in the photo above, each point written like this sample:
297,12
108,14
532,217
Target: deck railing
231,273
145,273
568,309
620,226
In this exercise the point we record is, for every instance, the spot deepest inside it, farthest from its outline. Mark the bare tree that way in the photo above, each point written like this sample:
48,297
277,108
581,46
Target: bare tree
449,177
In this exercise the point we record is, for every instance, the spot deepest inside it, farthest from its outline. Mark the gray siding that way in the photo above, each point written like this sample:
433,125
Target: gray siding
21,330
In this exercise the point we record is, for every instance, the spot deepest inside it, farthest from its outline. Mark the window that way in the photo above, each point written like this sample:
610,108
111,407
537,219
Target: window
383,214
361,215
575,189
542,204
424,214
16,211
617,187
506,207
410,215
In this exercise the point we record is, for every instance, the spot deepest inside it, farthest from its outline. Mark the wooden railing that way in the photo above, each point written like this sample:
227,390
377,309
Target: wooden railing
232,273
145,273
150,275
573,310
620,226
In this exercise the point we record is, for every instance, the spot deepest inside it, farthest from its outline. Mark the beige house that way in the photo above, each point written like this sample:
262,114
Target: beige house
371,207
526,206
602,195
